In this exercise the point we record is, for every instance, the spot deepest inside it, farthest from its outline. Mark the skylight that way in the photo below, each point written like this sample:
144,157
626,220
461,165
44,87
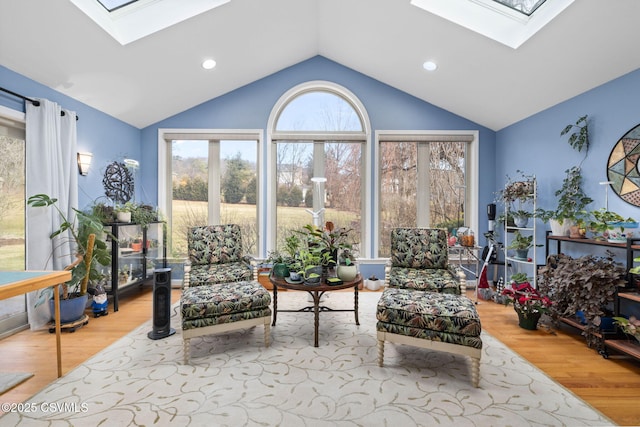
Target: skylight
130,20
112,5
504,21
523,6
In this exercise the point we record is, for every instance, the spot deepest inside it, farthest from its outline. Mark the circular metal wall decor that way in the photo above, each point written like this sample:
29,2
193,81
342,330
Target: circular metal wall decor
622,167
118,182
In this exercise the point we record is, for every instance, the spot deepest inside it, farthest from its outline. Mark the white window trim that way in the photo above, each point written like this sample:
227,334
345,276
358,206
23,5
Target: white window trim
472,161
166,135
273,135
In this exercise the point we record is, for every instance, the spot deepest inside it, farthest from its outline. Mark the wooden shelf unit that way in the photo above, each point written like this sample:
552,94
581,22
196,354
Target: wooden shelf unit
624,345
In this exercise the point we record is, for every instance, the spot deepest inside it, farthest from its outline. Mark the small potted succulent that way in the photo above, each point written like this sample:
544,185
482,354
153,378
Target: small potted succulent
373,283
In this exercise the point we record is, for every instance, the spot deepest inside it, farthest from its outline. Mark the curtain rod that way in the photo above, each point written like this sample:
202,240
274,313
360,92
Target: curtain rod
33,101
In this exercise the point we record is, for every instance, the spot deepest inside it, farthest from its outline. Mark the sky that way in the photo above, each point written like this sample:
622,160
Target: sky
309,111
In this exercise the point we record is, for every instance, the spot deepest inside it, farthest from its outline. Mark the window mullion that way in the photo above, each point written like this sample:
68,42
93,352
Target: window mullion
214,183
423,195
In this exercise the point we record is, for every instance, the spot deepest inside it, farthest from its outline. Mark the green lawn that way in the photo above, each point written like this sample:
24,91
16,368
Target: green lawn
289,218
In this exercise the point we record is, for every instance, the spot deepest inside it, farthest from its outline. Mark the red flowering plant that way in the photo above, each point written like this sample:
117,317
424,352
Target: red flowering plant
526,299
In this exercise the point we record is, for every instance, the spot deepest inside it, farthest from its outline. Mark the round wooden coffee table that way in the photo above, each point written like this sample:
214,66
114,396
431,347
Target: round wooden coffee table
316,293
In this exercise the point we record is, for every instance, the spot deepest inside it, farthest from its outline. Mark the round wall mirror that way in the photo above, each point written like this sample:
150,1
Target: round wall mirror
622,167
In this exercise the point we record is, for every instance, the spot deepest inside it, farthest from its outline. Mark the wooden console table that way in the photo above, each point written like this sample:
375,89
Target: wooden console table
14,283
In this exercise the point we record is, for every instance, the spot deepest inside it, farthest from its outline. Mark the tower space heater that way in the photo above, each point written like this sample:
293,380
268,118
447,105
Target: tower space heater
161,305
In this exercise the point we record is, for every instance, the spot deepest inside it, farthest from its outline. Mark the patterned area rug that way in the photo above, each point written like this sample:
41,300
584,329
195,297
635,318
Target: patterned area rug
234,380
8,380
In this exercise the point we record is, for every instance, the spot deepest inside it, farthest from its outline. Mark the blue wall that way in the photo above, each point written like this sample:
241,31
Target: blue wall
107,138
535,146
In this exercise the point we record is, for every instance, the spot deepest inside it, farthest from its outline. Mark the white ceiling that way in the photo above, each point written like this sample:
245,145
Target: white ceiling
145,81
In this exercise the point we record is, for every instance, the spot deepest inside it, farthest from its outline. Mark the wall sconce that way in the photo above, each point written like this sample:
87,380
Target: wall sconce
84,161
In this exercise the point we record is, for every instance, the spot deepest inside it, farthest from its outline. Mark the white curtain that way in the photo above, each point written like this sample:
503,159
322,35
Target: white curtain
51,146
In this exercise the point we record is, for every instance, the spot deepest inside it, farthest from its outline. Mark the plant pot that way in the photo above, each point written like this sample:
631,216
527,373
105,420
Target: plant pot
137,247
123,216
313,275
577,232
373,285
619,232
280,270
529,322
71,309
347,273
558,229
522,254
521,221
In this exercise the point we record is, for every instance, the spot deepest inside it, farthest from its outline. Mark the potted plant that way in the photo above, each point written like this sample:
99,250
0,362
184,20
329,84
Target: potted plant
630,326
521,244
330,239
347,269
519,189
82,229
572,199
528,303
311,266
123,212
587,284
572,202
373,283
521,218
611,226
143,214
279,264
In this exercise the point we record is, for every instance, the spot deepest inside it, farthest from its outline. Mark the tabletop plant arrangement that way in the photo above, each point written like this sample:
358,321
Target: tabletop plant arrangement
527,301
320,246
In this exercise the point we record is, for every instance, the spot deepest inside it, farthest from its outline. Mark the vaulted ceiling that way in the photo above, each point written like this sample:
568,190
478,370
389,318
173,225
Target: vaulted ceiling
54,43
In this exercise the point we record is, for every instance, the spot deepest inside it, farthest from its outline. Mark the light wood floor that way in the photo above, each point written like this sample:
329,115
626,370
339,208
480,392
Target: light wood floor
610,385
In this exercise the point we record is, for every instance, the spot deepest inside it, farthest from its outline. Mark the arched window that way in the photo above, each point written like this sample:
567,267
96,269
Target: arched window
317,130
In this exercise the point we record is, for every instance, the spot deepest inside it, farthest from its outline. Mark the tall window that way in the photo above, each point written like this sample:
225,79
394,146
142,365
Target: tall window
319,133
12,220
423,183
211,181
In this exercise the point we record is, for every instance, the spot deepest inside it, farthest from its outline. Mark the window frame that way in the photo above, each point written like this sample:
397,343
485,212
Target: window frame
471,171
274,136
165,188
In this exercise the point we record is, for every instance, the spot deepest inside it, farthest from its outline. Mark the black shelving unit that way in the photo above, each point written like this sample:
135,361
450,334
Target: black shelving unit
136,252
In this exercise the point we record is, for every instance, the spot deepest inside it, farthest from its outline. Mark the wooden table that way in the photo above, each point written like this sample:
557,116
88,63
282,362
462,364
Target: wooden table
316,293
14,283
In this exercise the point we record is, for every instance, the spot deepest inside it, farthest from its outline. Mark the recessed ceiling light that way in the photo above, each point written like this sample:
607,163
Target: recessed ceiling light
430,66
208,64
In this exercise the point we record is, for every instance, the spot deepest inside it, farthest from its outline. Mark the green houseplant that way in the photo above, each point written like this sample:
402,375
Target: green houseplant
572,199
587,284
521,244
80,231
610,225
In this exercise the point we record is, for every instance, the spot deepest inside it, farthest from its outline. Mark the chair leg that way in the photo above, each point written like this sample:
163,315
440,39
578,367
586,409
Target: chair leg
380,352
186,350
267,332
475,372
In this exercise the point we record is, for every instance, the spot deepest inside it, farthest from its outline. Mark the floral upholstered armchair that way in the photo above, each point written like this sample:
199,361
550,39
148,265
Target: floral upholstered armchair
215,256
420,261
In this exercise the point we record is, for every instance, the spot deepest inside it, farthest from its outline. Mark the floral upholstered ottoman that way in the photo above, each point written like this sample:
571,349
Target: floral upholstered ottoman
211,309
433,320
